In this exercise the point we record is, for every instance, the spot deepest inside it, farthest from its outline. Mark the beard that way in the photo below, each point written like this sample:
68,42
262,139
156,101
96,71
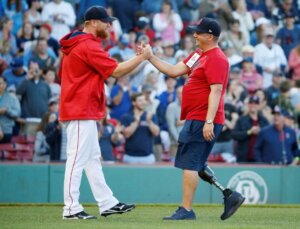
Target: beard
103,34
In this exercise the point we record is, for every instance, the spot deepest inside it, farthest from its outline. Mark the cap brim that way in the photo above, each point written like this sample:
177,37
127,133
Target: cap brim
109,19
194,28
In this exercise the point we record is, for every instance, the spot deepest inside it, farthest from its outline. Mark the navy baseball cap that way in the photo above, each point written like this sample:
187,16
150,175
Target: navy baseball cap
97,13
282,111
207,25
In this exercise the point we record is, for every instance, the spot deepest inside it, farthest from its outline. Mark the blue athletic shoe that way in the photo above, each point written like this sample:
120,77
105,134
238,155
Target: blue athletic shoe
181,214
232,202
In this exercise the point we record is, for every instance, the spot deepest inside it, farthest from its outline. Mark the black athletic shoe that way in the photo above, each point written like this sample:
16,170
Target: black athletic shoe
120,208
80,215
231,203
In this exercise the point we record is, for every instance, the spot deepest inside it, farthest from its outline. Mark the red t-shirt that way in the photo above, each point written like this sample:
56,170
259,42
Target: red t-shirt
205,69
84,68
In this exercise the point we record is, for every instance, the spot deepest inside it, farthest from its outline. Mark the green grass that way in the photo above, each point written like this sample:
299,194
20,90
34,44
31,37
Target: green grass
150,216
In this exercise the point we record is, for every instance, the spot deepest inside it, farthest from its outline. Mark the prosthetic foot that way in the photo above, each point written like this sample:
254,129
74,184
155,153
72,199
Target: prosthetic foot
232,199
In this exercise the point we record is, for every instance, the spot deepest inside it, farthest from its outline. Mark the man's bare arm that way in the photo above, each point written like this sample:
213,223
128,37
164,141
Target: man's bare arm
170,70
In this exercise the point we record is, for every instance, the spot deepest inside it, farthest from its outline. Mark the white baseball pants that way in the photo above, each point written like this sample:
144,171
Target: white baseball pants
83,153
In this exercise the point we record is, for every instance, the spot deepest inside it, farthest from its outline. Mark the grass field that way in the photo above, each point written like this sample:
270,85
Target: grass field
150,216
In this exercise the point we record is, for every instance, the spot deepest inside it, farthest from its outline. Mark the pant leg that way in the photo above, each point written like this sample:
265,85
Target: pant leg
93,169
77,158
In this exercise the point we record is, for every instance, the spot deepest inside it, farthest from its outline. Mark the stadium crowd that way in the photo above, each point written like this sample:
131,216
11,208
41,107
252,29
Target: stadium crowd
260,38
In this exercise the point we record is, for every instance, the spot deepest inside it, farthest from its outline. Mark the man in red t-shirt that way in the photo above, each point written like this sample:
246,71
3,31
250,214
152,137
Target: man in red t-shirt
84,67
203,110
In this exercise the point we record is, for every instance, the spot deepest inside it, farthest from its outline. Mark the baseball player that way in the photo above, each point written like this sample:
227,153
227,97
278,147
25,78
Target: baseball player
84,67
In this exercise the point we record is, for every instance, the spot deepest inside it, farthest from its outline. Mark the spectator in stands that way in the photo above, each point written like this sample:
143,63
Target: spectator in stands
235,36
186,46
123,48
250,79
56,138
233,58
41,56
284,99
173,116
33,15
109,136
126,11
9,110
244,17
143,28
152,7
168,24
140,127
277,143
45,33
224,143
169,51
284,7
247,51
258,8
8,42
218,9
288,36
270,57
272,91
165,99
60,15
261,25
41,147
120,98
25,34
236,94
151,102
16,73
263,105
50,77
188,10
34,93
294,63
53,105
246,130
14,10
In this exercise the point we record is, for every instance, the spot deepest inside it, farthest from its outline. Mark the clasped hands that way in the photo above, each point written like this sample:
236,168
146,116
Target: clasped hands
144,50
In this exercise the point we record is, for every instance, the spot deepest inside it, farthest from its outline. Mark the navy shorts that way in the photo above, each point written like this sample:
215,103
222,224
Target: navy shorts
193,149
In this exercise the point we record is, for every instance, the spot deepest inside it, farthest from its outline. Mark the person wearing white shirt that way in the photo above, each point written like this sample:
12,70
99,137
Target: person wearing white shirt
270,57
61,15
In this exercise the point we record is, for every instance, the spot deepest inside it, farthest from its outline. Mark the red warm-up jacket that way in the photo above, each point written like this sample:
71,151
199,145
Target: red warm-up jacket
84,67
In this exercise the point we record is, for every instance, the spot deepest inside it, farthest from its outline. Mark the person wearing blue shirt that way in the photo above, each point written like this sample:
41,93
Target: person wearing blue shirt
140,128
277,143
289,35
120,98
16,73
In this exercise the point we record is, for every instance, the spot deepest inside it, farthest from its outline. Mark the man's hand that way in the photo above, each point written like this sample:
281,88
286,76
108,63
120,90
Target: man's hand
208,132
255,130
145,50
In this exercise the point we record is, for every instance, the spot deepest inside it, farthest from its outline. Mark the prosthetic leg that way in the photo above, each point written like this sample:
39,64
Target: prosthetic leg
232,199
209,176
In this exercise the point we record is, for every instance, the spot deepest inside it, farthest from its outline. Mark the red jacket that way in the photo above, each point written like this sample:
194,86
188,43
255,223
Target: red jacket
84,67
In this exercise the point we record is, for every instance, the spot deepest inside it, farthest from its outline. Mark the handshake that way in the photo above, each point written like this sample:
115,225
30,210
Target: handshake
144,50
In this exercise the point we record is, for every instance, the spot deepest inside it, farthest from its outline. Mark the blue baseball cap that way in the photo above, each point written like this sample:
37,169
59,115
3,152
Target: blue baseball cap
98,13
207,25
17,62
